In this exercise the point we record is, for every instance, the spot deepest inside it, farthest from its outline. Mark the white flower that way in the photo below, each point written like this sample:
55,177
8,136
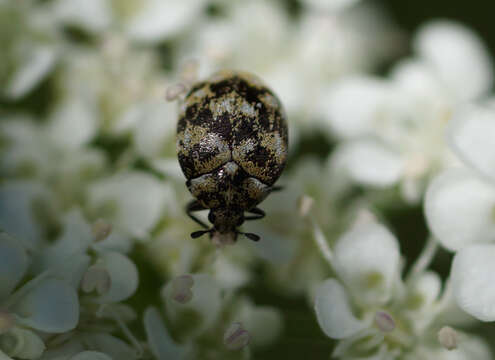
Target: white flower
471,269
161,344
21,343
273,45
148,20
263,323
110,266
369,276
374,313
91,344
91,15
204,305
158,20
29,52
73,123
47,303
460,203
367,261
132,201
18,201
459,208
454,51
404,117
471,134
60,169
369,162
329,5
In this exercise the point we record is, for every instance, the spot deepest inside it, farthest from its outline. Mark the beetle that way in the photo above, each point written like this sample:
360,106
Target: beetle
232,143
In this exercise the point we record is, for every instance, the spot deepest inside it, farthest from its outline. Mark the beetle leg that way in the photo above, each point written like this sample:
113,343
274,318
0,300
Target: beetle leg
258,214
276,188
194,205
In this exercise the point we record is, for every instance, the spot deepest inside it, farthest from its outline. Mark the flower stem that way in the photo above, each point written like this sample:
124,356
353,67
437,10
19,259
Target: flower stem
425,258
321,243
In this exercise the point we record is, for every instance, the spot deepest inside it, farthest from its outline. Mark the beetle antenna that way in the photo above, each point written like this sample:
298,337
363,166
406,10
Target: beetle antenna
199,233
250,236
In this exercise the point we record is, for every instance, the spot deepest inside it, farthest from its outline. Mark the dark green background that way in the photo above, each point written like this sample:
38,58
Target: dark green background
478,14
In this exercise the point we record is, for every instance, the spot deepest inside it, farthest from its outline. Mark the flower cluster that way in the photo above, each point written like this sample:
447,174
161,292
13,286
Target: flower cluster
96,258
396,135
375,314
460,208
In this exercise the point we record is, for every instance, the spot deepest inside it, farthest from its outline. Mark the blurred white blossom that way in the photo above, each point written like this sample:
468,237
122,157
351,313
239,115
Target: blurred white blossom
372,311
396,135
460,209
30,46
322,46
146,21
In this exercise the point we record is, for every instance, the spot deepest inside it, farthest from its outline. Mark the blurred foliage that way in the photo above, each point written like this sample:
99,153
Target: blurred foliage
477,14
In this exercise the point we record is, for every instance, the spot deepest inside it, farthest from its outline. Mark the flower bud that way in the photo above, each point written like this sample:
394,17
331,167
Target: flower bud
236,337
304,205
181,288
384,321
101,230
174,91
96,278
448,338
22,343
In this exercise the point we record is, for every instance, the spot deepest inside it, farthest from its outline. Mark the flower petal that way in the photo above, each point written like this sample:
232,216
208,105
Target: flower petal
333,311
459,209
205,302
338,105
90,15
13,264
152,133
264,324
367,260
36,67
110,345
74,241
22,344
73,123
325,5
161,344
418,80
157,19
131,201
17,200
471,134
472,274
369,163
123,277
458,55
52,306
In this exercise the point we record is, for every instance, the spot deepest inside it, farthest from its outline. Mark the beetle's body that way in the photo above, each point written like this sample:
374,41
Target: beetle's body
232,146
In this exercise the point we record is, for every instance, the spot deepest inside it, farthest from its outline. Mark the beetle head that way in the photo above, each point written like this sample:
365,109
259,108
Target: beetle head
225,223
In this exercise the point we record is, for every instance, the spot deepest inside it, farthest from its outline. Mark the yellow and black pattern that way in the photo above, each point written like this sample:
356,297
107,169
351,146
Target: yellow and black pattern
231,141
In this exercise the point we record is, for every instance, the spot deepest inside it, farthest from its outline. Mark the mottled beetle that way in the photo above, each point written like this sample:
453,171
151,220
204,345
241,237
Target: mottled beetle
232,147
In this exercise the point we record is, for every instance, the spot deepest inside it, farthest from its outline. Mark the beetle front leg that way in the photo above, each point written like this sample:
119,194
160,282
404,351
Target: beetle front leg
258,214
192,206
